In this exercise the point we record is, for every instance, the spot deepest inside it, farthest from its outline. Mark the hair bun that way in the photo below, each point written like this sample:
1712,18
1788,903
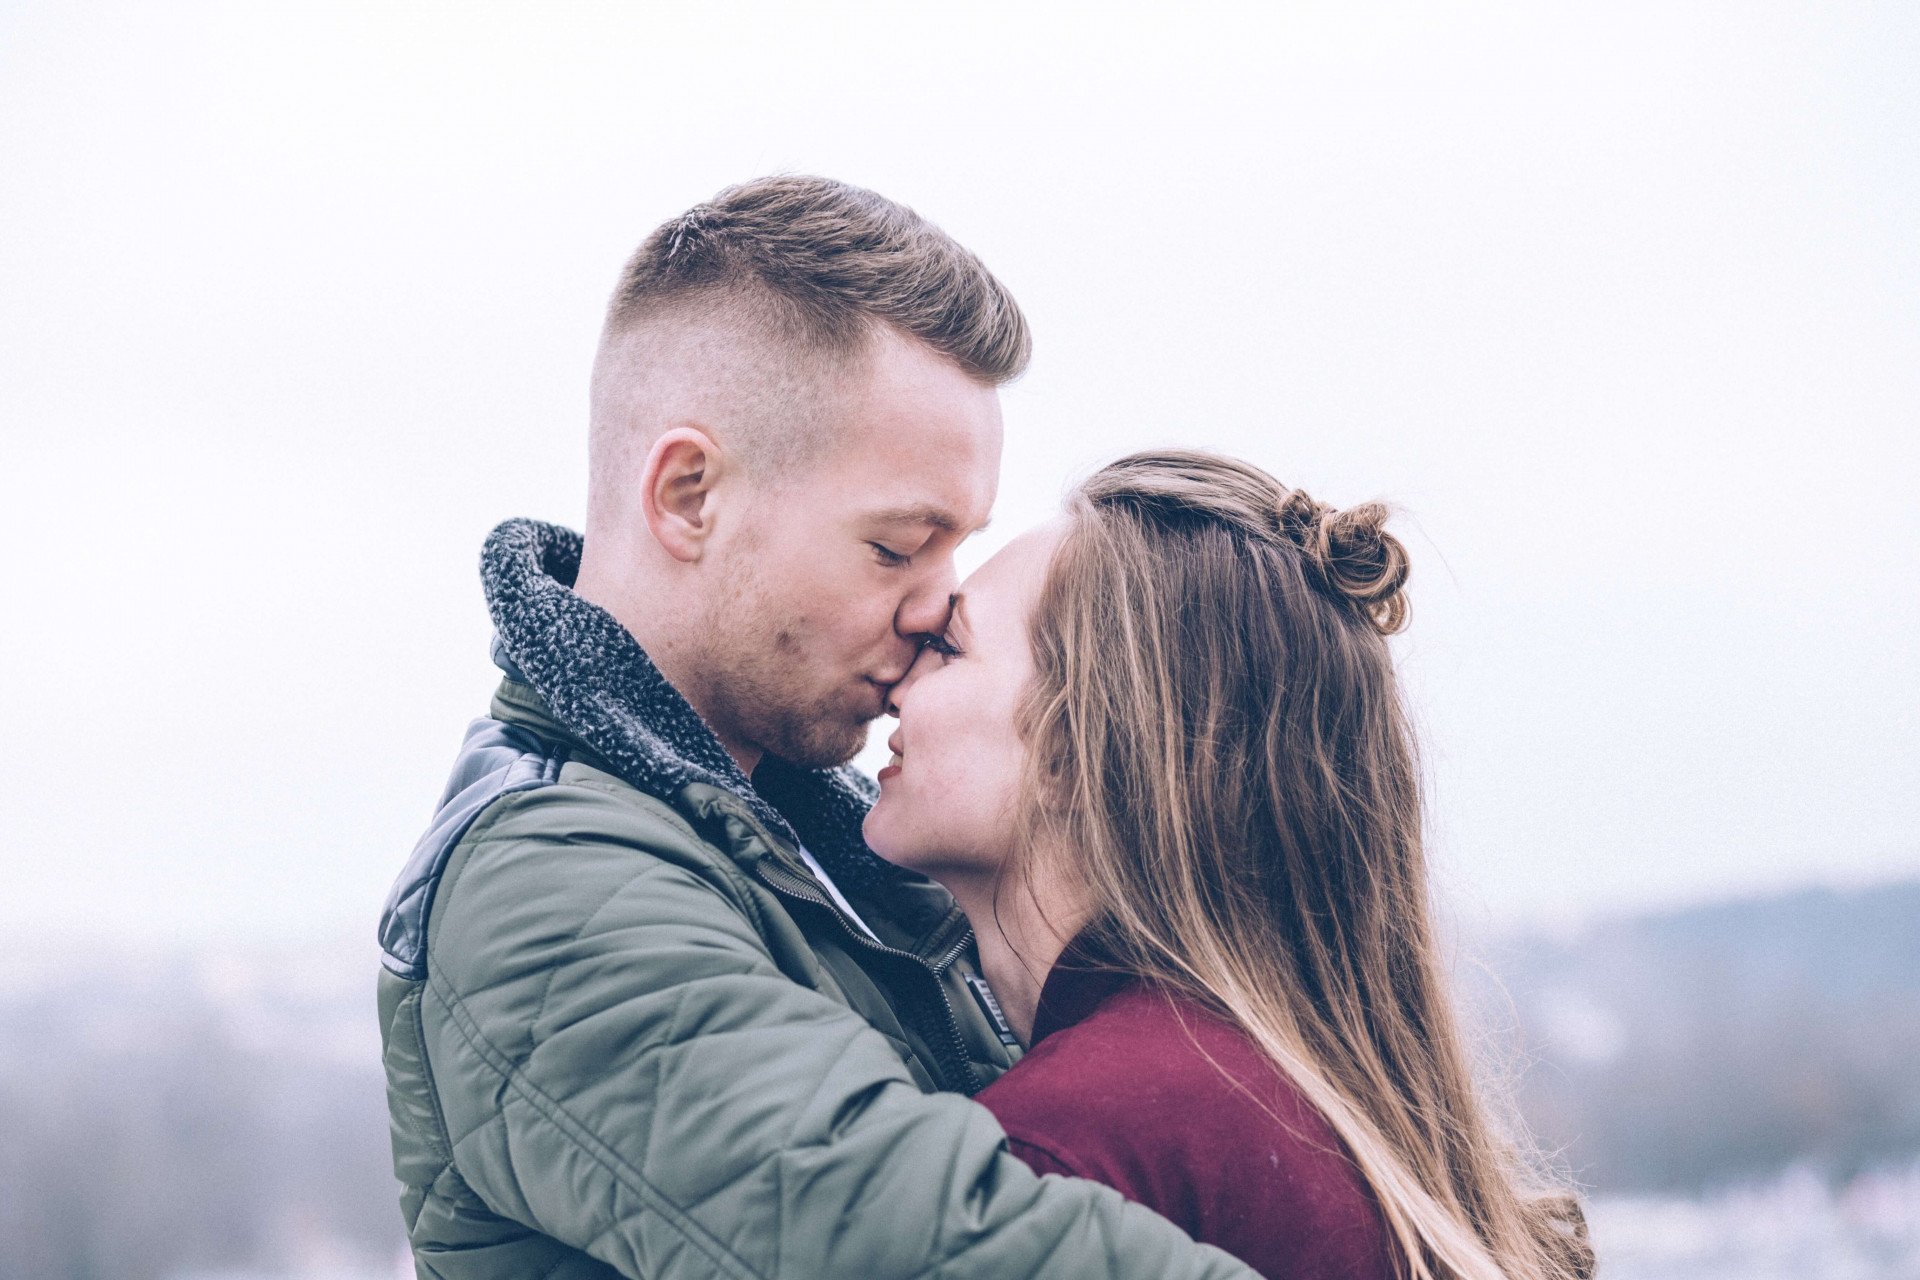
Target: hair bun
1356,558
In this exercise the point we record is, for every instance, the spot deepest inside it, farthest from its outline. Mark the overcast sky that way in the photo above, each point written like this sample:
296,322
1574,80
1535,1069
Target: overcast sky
1620,302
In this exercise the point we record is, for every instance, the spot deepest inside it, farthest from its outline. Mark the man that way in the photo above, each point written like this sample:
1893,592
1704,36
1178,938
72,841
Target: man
650,1006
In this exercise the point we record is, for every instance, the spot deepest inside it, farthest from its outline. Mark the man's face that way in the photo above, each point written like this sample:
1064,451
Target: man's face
834,573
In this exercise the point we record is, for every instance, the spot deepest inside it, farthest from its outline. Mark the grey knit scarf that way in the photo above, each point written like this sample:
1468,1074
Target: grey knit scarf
599,683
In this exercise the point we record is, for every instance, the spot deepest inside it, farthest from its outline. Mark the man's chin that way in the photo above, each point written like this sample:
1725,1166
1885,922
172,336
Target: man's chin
819,743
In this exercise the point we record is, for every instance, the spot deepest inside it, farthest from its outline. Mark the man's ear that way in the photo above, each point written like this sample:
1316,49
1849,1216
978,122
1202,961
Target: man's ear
676,491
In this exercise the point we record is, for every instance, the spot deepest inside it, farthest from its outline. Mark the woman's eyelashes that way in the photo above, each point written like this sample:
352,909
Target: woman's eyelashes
942,646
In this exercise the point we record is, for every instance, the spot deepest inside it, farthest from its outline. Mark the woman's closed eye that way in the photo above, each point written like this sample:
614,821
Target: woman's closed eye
942,646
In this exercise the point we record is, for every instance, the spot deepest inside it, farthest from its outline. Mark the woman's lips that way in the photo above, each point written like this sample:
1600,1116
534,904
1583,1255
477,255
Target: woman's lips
893,767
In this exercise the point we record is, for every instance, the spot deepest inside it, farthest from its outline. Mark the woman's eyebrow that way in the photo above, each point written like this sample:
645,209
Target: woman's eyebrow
956,614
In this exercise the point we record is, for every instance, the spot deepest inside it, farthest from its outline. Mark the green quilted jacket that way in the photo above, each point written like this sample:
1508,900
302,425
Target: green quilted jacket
628,1033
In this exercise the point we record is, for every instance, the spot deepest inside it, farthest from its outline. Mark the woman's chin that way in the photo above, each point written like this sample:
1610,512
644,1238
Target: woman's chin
890,832
877,830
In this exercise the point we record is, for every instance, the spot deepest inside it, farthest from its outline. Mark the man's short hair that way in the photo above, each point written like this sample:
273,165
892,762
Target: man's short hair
820,262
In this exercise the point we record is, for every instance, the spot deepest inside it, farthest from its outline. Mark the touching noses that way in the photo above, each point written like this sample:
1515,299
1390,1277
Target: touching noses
924,610
898,692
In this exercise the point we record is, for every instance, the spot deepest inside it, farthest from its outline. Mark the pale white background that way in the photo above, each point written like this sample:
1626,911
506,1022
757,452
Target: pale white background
1620,301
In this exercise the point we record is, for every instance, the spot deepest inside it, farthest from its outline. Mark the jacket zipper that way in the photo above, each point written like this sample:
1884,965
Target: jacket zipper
961,1069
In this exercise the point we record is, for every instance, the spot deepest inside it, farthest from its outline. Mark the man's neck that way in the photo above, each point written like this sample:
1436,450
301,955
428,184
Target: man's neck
663,647
744,754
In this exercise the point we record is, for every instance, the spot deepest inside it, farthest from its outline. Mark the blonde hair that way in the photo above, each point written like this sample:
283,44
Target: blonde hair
820,261
1215,732
786,281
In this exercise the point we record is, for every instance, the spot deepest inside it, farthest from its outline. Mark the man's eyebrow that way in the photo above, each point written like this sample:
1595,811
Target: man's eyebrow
919,513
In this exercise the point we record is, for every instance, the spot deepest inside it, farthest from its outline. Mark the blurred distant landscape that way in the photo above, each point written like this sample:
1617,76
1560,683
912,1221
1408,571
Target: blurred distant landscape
1721,1044
1736,1086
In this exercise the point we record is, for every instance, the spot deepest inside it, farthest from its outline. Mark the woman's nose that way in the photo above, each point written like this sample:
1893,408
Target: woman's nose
898,692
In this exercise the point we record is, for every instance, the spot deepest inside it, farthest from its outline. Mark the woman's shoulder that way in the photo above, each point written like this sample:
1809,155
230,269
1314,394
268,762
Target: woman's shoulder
1178,1109
1141,1055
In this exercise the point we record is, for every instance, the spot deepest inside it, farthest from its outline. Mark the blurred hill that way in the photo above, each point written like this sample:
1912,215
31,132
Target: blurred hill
166,1117
219,1114
1682,1051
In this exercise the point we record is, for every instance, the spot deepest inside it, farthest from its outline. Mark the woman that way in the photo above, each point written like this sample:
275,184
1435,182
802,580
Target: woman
1160,759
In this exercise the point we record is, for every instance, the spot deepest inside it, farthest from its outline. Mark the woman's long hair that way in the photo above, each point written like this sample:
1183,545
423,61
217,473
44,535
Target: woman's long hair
1217,737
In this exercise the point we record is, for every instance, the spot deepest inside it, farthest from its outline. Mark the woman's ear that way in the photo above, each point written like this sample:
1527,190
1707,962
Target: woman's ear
676,491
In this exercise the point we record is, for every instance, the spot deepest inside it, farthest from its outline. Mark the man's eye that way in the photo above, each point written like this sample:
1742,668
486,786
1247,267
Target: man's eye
888,557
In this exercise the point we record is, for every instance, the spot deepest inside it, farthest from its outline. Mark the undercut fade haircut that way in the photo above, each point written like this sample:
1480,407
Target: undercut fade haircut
820,262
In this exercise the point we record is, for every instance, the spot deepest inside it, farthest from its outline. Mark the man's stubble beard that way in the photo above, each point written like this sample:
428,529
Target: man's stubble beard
755,674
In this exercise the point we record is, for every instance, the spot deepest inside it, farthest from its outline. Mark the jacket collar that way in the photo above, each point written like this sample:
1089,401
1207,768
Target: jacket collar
1081,980
600,685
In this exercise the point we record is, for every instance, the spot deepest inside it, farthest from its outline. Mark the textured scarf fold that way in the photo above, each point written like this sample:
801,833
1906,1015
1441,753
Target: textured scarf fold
598,682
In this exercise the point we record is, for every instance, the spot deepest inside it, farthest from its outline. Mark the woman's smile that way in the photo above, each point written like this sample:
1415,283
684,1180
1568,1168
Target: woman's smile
961,698
893,764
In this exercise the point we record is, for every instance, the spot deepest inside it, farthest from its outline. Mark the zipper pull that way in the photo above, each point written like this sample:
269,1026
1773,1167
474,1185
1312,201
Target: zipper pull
989,1005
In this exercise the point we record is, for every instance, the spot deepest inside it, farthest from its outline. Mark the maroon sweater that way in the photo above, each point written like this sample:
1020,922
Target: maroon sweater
1118,1087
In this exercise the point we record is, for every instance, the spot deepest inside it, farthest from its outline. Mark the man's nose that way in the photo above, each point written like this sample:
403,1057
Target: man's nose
925,610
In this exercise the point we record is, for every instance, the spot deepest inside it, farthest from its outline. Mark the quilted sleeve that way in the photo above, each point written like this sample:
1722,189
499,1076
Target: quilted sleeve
622,1066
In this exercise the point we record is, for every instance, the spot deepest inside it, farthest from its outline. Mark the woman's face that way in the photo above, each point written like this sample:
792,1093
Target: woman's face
947,798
